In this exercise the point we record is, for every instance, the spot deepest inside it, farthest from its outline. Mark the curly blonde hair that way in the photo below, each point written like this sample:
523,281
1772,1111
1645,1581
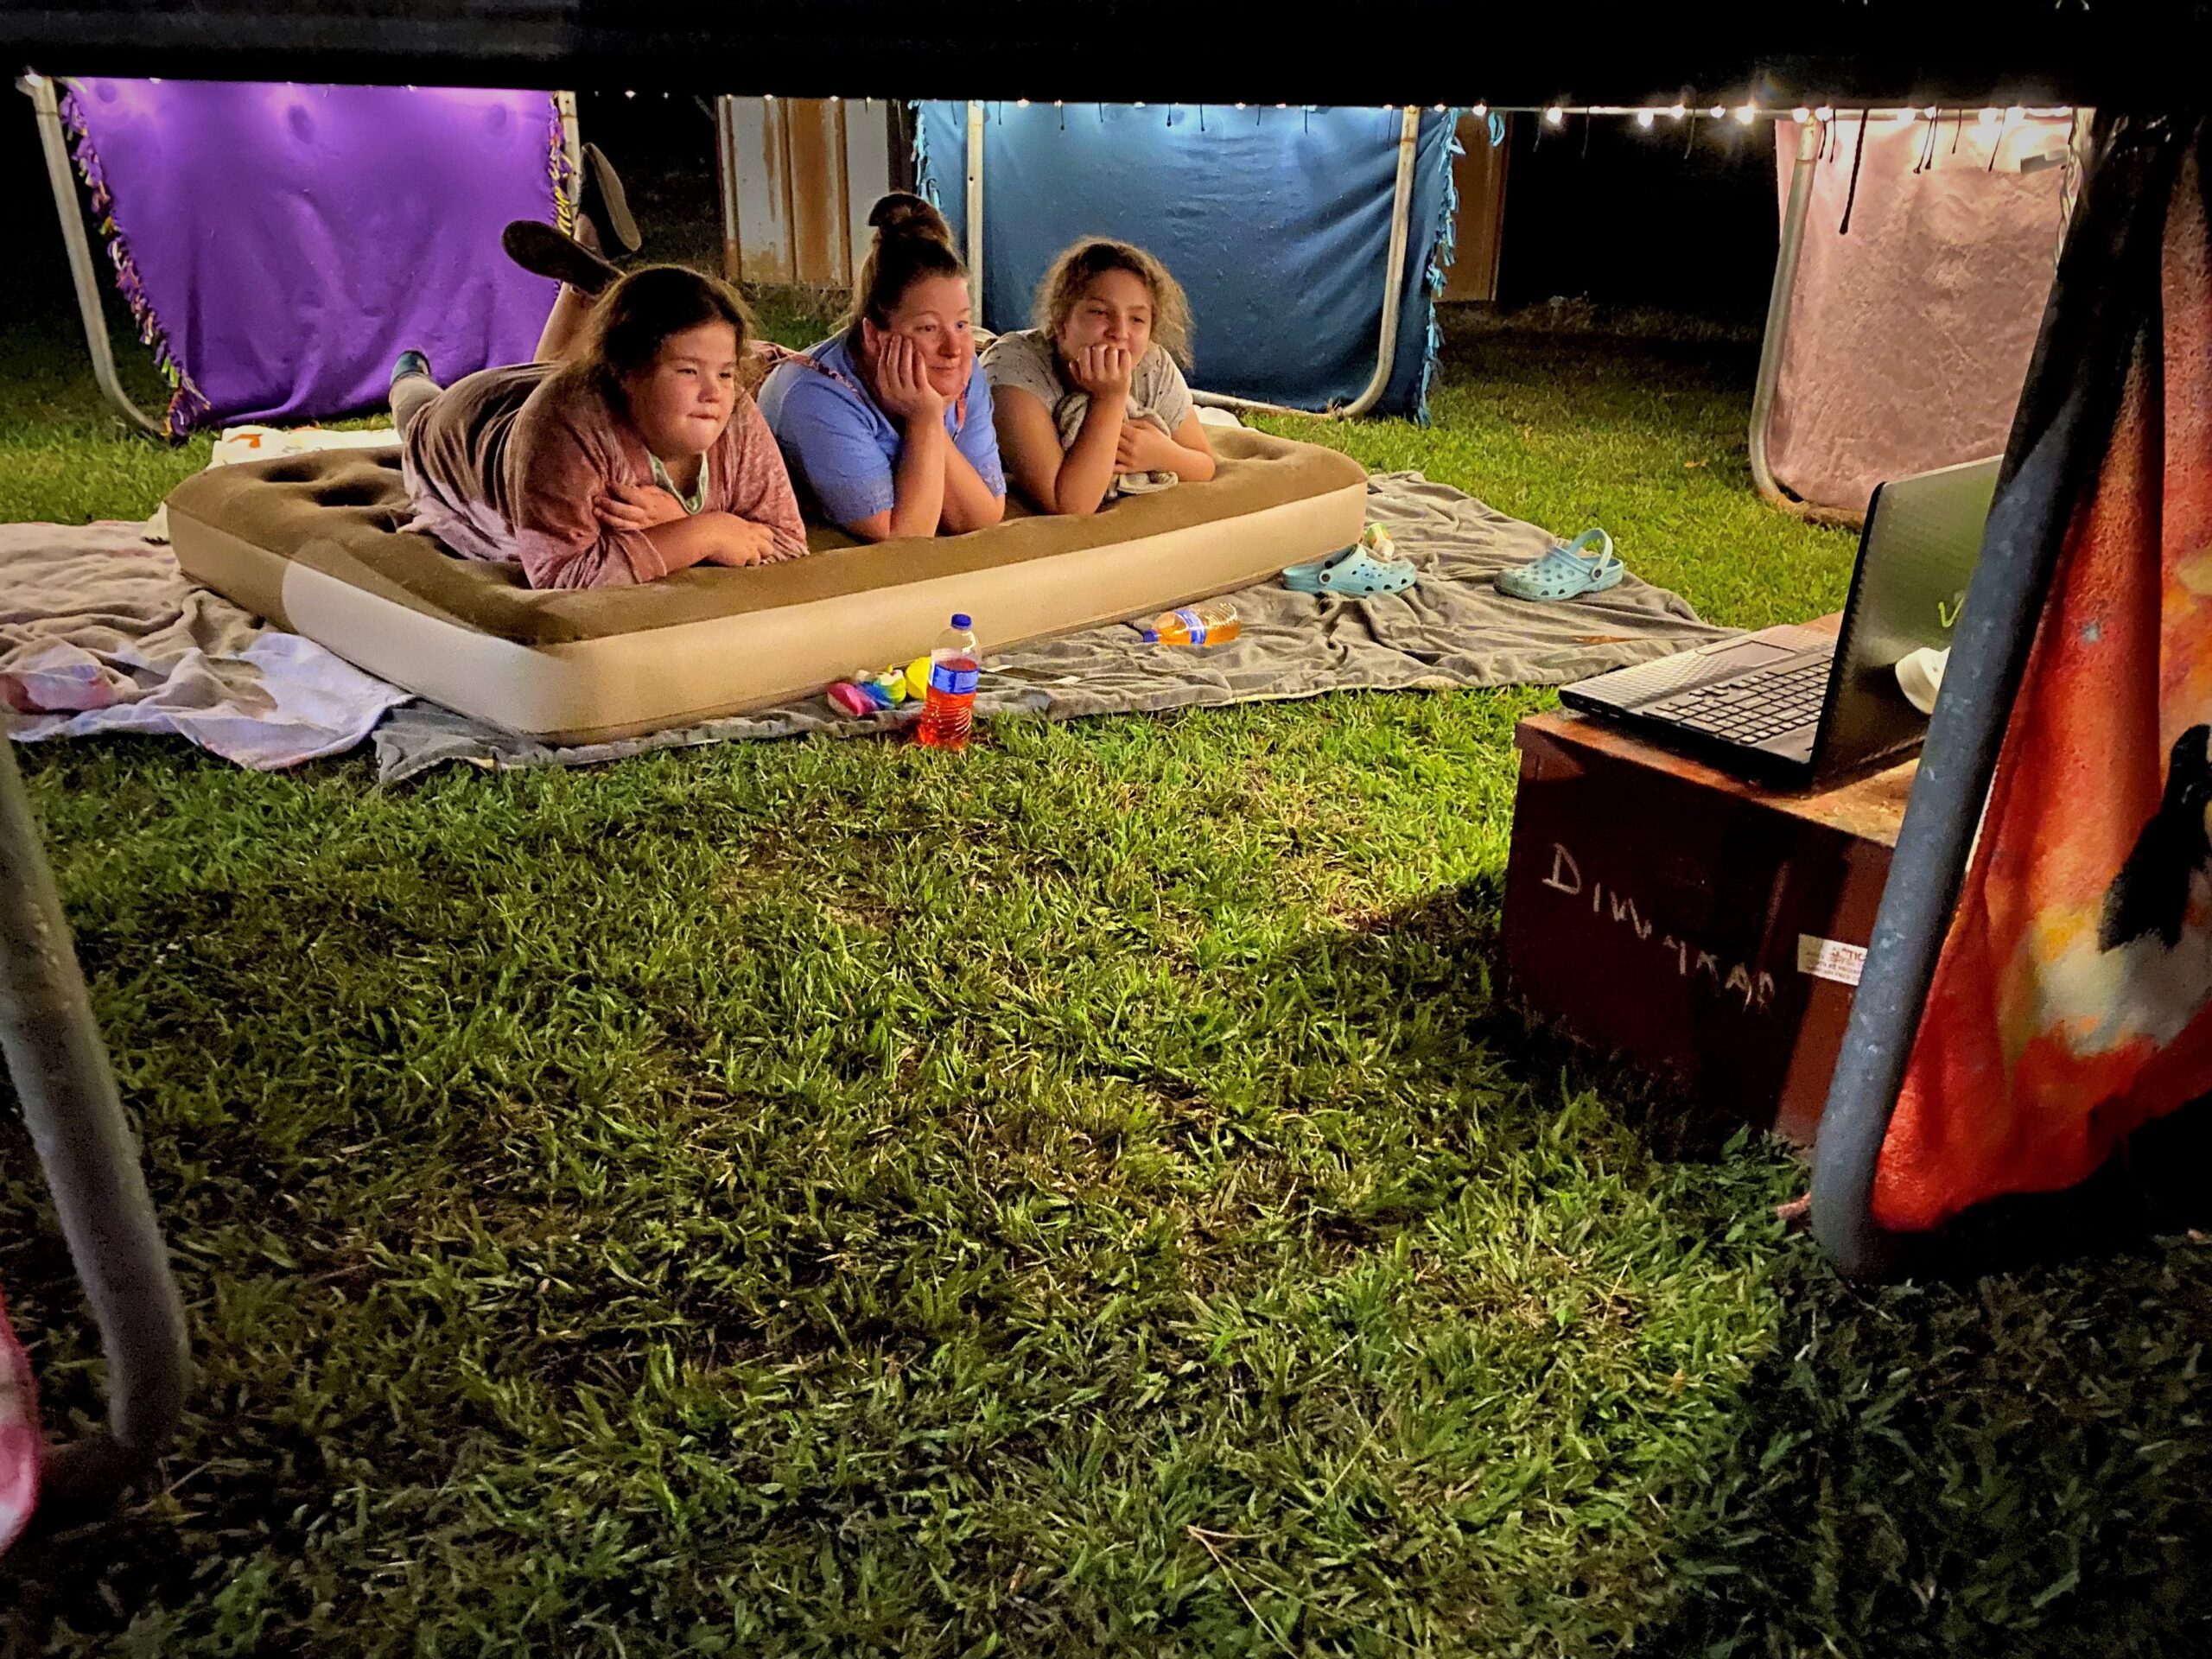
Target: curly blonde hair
1078,267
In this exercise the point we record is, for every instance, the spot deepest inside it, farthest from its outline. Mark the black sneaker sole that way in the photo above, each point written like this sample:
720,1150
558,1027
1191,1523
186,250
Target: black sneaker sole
602,200
543,252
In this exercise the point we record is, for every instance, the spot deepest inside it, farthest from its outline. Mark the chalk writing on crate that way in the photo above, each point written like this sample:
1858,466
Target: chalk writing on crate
1691,959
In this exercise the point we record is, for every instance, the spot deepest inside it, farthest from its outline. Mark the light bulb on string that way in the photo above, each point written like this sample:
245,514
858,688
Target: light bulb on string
1020,103
1554,116
1825,113
2014,116
1801,115
1747,114
1717,111
1480,110
1644,118
1677,110
629,94
1240,106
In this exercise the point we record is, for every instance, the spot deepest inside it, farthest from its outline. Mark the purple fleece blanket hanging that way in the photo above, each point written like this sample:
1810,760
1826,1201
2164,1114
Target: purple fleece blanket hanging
281,243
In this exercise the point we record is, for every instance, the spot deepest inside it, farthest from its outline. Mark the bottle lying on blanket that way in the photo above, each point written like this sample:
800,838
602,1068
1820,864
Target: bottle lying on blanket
1213,623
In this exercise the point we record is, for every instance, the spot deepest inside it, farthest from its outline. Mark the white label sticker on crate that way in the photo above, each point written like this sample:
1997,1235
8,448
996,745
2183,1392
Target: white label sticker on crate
1830,959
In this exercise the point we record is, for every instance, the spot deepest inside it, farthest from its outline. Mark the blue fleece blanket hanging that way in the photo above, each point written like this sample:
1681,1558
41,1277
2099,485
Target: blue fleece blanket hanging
1276,220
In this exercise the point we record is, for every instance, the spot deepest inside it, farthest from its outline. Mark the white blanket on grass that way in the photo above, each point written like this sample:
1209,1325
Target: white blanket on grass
100,632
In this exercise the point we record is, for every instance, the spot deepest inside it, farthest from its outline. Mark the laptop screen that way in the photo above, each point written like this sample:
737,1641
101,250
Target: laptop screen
1916,557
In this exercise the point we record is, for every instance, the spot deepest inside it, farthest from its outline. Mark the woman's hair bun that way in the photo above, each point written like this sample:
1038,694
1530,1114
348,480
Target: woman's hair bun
912,243
904,214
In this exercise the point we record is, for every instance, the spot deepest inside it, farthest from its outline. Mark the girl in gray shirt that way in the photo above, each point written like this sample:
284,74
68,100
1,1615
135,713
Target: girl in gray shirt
1090,402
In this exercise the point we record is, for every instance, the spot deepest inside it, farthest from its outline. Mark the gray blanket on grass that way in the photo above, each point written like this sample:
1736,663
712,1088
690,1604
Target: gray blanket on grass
1453,629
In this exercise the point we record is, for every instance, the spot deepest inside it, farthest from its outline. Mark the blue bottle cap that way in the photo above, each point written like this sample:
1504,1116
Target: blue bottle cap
961,620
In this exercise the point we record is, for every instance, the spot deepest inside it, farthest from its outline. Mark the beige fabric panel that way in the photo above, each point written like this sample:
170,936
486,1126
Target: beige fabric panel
619,685
337,511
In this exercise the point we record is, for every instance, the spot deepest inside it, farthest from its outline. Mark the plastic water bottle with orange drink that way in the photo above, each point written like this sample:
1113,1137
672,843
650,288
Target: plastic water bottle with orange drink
948,709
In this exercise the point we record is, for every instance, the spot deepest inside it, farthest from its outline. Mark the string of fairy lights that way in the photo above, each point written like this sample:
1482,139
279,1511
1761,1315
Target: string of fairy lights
1991,119
1988,118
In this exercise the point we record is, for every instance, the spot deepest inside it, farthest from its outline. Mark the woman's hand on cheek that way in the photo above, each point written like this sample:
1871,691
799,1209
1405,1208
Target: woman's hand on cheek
903,382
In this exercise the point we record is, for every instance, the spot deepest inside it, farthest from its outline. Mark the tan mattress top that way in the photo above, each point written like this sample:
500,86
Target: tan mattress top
337,511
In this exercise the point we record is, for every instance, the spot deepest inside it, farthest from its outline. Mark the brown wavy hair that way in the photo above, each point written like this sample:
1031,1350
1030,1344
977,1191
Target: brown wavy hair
624,333
1078,267
912,243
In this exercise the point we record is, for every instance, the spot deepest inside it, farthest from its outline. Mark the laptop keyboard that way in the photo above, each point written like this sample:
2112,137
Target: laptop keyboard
1751,708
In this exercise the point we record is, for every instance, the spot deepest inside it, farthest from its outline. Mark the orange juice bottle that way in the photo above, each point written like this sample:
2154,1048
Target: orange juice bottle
1213,623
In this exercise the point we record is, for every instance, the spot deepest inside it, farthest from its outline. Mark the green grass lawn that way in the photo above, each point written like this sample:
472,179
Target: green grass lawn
1092,1196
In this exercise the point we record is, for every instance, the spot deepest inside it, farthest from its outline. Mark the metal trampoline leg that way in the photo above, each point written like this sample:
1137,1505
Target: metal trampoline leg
90,1162
572,140
63,180
2020,548
1777,311
976,213
1386,350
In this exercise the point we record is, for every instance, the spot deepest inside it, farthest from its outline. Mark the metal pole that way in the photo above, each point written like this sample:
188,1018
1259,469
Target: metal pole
779,123
2106,285
1386,351
726,184
844,193
63,182
84,1146
1777,308
976,213
572,141
1988,652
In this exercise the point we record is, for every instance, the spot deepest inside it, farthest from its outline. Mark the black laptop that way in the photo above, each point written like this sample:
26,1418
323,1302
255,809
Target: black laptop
1791,705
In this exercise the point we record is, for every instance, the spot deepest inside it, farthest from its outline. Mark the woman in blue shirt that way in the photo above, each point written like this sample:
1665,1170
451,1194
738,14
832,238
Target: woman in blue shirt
887,425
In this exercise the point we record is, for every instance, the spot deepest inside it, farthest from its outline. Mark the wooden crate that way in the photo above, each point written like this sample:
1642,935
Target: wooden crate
1692,921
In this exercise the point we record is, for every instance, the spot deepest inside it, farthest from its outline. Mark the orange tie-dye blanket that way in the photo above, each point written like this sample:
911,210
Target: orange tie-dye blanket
2073,999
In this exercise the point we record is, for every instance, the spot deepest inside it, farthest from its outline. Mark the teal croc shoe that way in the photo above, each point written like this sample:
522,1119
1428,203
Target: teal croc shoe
1356,571
1567,572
